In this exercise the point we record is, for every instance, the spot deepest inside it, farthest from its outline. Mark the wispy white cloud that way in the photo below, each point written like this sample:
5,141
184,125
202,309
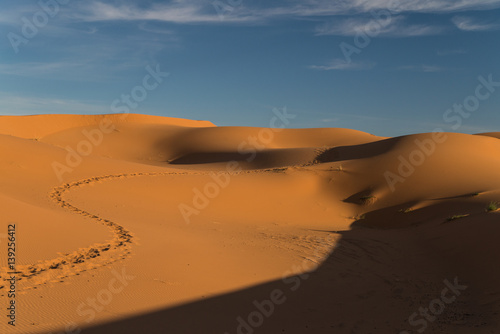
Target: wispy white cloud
37,68
95,54
203,12
424,5
11,104
395,27
470,24
11,15
91,70
422,68
329,120
342,65
173,12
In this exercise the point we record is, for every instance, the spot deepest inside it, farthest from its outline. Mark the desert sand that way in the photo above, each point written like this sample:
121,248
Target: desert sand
131,223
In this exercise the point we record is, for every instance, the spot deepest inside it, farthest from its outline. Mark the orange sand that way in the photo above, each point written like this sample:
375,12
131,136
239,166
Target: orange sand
162,225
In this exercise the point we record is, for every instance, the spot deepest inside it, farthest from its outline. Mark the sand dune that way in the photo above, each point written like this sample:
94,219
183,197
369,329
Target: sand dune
133,223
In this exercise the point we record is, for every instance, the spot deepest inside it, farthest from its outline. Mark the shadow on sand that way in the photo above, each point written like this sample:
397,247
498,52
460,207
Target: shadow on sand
372,282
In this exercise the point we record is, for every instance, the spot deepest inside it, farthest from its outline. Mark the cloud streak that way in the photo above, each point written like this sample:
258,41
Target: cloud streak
422,68
470,24
396,27
424,6
37,68
11,104
342,65
203,12
173,12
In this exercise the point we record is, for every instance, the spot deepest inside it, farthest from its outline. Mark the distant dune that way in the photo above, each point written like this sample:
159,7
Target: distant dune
131,223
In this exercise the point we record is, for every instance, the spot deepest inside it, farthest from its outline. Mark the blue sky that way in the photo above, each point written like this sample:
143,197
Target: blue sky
386,67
